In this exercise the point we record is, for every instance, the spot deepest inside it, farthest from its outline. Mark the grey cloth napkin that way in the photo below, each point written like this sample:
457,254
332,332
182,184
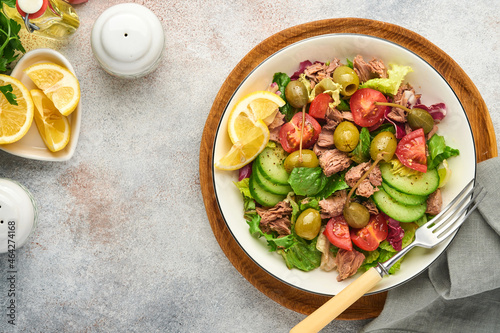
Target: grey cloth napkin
460,292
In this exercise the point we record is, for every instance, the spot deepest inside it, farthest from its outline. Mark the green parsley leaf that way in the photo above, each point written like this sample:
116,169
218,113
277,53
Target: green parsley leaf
7,92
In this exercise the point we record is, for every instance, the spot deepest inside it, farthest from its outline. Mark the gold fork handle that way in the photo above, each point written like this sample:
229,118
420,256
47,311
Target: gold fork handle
335,306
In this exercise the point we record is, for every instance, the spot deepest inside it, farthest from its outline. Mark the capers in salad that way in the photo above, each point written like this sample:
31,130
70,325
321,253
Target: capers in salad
346,136
419,118
308,224
309,160
296,94
383,142
347,78
356,215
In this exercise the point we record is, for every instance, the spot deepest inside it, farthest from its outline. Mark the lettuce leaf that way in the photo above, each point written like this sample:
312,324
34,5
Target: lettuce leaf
309,203
282,80
273,241
361,153
302,255
324,86
439,151
390,85
248,200
307,181
335,183
312,182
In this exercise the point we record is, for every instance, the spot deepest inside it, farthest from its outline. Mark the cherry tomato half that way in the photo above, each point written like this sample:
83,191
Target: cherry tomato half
319,105
364,112
411,150
290,133
369,237
337,232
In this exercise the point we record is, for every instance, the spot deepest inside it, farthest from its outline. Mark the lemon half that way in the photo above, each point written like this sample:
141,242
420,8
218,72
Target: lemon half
246,149
15,120
260,104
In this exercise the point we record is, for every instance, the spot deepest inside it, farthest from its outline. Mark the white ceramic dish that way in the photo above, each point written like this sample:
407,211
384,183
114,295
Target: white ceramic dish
31,145
425,79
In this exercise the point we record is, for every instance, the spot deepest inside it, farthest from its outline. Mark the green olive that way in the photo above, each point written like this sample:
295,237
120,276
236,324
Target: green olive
308,224
383,142
347,78
309,160
419,118
346,136
296,94
356,215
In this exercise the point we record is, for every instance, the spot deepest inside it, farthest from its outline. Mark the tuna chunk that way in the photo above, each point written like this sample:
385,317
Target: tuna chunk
319,71
434,203
319,150
281,226
325,139
378,68
406,96
276,218
334,114
366,71
369,185
347,116
333,161
279,119
333,205
274,134
398,115
348,263
370,205
275,126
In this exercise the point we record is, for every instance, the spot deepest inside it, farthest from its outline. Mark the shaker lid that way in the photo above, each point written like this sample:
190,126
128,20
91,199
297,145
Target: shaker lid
34,8
128,40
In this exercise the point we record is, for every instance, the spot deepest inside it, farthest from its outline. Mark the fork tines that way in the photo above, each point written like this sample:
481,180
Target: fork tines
450,219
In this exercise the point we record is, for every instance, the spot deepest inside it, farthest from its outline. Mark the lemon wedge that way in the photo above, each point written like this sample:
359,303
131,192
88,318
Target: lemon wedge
58,84
53,127
15,120
260,104
246,149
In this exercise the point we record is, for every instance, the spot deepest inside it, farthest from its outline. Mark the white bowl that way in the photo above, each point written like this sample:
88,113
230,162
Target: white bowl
425,79
31,145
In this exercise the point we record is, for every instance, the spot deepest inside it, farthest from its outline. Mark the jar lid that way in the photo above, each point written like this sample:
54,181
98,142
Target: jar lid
128,40
34,8
18,214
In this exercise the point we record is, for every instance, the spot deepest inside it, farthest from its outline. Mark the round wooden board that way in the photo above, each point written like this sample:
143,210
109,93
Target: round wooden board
482,128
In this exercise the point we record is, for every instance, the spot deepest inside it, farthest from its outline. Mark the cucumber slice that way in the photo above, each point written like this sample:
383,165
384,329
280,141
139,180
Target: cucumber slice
270,164
268,185
403,198
262,196
424,184
397,211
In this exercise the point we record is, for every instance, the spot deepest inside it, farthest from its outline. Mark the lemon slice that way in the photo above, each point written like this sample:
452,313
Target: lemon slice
246,150
53,127
15,120
261,105
444,173
58,84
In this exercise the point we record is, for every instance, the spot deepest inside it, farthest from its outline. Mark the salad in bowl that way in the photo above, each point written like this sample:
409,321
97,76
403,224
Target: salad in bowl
335,160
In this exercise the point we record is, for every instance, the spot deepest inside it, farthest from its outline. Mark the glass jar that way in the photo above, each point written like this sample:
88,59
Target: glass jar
18,215
54,19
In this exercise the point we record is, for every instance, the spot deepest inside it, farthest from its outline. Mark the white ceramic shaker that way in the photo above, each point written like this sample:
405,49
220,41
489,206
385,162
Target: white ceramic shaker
128,40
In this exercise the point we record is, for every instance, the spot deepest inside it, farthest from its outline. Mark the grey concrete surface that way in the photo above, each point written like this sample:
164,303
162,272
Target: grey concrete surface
123,242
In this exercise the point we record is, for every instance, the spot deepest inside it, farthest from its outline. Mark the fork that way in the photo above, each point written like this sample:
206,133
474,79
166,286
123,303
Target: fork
428,235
